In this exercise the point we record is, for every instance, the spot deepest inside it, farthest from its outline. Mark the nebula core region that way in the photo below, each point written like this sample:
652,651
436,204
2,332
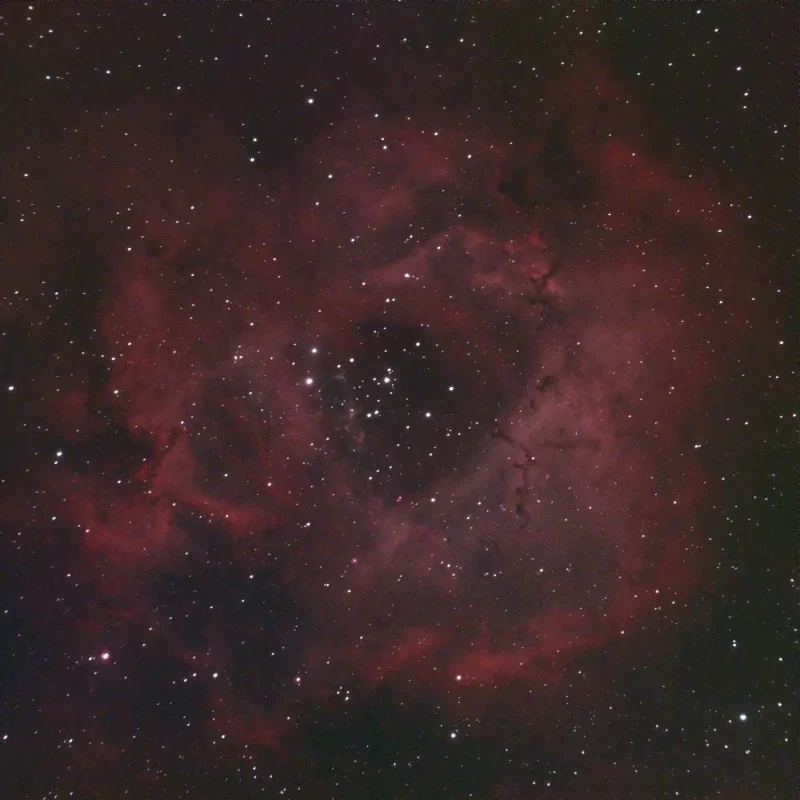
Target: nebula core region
374,447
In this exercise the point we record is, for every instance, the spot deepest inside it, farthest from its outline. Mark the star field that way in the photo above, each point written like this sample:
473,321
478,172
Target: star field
398,401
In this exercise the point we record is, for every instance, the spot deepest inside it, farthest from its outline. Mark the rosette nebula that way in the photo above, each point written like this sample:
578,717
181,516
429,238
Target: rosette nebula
397,401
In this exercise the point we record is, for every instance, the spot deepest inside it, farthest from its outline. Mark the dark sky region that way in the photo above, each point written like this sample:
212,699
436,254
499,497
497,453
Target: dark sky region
397,401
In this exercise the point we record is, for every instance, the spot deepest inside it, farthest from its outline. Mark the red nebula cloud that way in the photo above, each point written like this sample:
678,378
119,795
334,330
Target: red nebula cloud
557,285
